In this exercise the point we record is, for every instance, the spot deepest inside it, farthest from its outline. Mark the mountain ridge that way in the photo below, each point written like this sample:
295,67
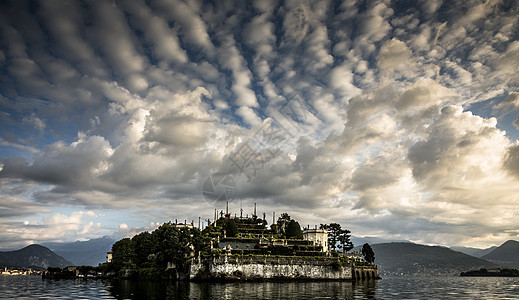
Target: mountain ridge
33,256
476,252
400,258
507,254
91,252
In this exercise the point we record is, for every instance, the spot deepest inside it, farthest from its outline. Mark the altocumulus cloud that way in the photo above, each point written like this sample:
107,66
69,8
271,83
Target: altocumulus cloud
116,112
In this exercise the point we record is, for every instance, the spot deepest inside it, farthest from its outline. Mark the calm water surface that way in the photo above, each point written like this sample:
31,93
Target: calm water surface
33,287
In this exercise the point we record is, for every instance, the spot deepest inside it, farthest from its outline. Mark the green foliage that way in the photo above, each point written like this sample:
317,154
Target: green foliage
338,235
288,228
282,224
123,254
144,245
148,253
368,253
175,244
293,230
344,240
230,227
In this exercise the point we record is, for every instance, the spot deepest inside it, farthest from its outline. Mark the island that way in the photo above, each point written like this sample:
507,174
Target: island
238,248
492,273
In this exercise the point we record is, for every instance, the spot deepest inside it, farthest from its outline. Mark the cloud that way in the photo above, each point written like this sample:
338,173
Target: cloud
163,40
71,165
232,60
373,25
460,146
34,121
295,23
188,17
511,161
129,106
52,227
510,103
393,55
179,120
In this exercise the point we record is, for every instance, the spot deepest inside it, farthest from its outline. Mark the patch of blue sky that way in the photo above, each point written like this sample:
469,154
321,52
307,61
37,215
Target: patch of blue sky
505,119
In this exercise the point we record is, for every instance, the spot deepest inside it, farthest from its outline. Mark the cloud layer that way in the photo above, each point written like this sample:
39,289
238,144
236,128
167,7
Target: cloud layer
351,112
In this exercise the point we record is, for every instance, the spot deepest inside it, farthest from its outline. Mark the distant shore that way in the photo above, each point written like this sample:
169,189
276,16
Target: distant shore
492,273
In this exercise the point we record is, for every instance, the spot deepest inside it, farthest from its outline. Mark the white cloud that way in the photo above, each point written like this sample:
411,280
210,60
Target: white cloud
34,121
189,18
56,227
394,54
232,60
373,25
163,92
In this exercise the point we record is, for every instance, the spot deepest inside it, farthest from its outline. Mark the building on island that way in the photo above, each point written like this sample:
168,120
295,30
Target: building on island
109,256
319,237
244,247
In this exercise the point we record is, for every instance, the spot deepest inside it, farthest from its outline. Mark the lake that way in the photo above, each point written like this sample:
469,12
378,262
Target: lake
398,287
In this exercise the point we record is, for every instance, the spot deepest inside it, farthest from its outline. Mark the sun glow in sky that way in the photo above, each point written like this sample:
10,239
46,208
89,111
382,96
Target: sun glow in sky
397,119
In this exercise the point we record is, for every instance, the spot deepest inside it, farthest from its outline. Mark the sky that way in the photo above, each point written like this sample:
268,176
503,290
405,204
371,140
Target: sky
396,119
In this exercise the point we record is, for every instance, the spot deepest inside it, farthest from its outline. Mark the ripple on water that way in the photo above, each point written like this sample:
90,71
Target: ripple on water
30,287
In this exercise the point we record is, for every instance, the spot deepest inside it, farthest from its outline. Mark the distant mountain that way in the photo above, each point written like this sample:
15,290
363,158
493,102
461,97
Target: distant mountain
506,254
359,241
89,253
484,252
34,256
476,252
415,259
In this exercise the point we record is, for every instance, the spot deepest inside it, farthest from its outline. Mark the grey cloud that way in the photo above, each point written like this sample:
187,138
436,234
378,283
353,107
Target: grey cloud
188,16
295,22
60,164
114,38
163,40
11,204
73,46
34,121
511,161
510,103
378,173
177,131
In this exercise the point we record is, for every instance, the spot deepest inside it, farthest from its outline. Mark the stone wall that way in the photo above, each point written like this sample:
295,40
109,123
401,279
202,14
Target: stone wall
365,272
251,271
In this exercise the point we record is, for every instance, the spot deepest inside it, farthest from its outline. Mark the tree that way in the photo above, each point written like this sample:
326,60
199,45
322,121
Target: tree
337,235
230,227
344,240
175,244
334,231
293,230
167,243
282,223
368,253
143,245
123,254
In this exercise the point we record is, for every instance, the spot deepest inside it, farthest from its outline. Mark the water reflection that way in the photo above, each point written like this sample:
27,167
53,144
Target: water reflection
397,287
125,289
365,289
